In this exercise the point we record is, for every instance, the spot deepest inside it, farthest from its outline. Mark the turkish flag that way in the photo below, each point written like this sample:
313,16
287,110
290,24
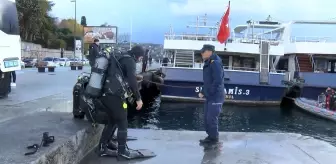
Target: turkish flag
224,30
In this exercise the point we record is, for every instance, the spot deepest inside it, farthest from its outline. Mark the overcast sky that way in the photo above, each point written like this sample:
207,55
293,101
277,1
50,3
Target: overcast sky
152,18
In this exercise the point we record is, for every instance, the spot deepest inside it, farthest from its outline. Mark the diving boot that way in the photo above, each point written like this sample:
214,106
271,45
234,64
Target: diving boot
124,153
112,145
104,151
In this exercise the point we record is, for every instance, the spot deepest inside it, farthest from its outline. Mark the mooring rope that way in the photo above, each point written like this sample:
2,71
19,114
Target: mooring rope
167,85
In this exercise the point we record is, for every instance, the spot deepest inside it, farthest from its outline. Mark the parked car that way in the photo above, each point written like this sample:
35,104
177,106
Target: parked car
85,61
22,64
72,60
51,61
30,62
63,62
57,61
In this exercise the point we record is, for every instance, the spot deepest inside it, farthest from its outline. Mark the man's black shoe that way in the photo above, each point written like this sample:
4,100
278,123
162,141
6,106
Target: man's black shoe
103,151
209,140
205,140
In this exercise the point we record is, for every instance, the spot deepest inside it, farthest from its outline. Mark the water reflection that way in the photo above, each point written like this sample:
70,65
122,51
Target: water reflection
184,116
211,157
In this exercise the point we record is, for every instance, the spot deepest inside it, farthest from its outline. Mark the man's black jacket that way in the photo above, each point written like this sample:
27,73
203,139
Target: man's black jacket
93,53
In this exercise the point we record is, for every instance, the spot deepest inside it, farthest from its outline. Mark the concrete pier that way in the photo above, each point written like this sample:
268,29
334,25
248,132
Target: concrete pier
73,139
182,147
41,106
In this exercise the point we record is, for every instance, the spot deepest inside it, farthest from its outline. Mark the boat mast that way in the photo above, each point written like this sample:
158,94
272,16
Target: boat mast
201,22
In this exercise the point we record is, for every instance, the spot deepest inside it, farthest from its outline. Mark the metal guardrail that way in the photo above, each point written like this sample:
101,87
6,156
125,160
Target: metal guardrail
200,66
254,40
310,39
214,38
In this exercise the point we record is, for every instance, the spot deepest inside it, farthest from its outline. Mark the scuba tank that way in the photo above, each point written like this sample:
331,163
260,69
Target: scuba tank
115,83
98,71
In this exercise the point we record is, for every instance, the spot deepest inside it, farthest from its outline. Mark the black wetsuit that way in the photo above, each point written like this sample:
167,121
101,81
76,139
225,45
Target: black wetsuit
114,105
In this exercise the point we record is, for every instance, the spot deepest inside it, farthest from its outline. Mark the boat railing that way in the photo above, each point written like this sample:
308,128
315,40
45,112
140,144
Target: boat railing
310,39
167,65
250,69
227,68
297,64
312,62
241,68
273,42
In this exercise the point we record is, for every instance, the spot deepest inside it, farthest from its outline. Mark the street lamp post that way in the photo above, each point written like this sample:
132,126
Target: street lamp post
74,1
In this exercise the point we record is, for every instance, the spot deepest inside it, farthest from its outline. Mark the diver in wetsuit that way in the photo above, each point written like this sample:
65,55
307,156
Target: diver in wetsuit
115,101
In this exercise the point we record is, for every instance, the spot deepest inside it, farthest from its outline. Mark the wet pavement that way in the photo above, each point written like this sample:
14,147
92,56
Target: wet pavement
20,132
32,85
181,147
38,91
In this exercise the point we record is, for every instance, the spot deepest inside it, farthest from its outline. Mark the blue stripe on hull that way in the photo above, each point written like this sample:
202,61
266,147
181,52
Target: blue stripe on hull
312,92
233,91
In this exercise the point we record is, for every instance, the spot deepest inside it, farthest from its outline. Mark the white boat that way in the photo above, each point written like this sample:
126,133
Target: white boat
315,107
257,57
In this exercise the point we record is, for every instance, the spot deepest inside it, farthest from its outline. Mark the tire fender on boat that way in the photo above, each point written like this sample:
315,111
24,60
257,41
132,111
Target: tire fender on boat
291,93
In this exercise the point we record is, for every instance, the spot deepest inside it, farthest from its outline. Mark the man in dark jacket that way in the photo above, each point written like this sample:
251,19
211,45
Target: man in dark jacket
213,92
144,61
93,52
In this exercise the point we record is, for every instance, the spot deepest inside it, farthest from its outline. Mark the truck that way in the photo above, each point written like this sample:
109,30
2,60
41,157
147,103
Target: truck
10,44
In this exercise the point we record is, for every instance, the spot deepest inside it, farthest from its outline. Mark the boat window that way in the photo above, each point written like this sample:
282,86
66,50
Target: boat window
320,65
225,60
236,61
9,22
248,62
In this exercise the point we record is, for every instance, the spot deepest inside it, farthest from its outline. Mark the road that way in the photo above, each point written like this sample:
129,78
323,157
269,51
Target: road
39,91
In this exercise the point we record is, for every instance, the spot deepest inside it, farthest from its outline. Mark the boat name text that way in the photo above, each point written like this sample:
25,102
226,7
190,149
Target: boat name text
230,91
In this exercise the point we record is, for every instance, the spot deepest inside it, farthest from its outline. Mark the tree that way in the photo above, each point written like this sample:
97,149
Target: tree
34,19
38,26
83,21
70,24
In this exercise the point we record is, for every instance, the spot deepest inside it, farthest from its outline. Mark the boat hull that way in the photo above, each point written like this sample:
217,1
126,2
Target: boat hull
311,106
235,93
243,87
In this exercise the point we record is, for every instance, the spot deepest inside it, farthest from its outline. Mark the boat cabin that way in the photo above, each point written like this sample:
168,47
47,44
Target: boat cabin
299,56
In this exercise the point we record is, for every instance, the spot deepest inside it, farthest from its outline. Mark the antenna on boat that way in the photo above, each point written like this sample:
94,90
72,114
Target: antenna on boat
131,32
